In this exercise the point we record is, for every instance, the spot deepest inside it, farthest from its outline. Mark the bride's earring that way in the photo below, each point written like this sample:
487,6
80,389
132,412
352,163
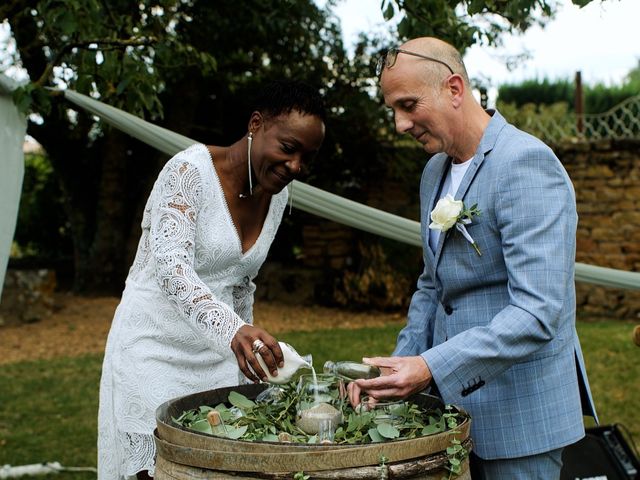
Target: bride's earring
249,142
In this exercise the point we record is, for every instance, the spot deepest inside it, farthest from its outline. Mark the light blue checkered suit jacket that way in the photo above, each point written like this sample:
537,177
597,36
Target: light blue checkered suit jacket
498,330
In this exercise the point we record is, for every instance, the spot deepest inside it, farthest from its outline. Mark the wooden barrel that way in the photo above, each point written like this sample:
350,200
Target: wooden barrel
184,454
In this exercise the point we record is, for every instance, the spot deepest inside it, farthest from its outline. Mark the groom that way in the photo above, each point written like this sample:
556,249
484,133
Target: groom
492,328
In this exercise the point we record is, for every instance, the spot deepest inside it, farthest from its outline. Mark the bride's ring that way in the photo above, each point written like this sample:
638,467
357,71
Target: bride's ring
257,345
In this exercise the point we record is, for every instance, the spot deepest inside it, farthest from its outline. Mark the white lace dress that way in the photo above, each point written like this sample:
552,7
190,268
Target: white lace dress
189,290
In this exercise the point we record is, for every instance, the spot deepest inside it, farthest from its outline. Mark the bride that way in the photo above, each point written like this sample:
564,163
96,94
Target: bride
184,323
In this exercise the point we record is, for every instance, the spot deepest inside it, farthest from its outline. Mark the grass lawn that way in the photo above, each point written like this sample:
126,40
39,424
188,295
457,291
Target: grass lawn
48,409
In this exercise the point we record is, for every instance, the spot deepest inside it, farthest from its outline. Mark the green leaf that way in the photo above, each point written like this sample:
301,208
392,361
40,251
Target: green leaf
375,435
252,421
22,100
403,28
67,23
388,431
180,419
475,6
83,83
436,425
236,432
201,426
238,400
388,12
122,85
225,413
453,450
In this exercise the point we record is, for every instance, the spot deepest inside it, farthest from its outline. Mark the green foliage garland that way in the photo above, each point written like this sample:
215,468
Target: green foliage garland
267,421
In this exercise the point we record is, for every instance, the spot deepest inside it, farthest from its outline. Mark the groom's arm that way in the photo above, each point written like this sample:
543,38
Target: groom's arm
536,219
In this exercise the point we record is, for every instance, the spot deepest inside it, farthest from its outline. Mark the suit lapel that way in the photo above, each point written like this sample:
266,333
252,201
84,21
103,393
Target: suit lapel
487,142
441,164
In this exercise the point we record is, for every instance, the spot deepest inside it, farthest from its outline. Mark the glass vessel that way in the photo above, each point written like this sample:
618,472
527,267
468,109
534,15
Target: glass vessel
320,400
351,370
321,388
392,412
294,365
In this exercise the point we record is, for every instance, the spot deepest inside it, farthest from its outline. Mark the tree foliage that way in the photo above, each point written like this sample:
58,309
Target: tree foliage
467,22
542,92
598,98
191,65
101,49
41,231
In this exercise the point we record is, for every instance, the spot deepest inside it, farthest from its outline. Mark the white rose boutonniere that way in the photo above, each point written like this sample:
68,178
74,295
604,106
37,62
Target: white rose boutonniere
449,212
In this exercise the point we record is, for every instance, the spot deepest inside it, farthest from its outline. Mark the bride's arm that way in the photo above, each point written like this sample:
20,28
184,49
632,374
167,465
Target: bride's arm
172,242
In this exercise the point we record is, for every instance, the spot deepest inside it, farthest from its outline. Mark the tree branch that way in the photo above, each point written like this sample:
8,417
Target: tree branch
131,42
10,9
110,44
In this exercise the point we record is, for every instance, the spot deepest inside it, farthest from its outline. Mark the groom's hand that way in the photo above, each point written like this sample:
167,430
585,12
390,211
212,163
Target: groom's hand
401,376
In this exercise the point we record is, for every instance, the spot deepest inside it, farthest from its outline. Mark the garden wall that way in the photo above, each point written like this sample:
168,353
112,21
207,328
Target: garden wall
341,265
606,176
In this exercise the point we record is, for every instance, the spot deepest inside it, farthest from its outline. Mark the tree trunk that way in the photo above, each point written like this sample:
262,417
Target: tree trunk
106,263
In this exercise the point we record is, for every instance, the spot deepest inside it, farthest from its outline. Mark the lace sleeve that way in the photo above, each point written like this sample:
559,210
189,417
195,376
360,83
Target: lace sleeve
243,299
173,230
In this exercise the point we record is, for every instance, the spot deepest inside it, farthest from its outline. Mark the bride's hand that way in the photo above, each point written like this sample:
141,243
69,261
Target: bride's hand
246,344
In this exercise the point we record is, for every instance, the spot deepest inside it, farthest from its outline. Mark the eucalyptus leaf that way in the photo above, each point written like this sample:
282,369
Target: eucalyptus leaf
431,429
251,421
236,432
238,400
387,430
201,426
375,435
226,414
219,430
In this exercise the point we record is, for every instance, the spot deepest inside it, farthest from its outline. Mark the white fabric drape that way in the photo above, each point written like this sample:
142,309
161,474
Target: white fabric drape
307,198
319,202
13,126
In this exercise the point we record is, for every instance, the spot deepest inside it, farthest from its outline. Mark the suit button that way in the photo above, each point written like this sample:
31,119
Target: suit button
448,309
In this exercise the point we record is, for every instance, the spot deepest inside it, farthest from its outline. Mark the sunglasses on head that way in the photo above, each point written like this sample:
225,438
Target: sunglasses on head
388,59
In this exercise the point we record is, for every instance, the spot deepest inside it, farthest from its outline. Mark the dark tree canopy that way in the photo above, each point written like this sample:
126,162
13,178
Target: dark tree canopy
190,65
